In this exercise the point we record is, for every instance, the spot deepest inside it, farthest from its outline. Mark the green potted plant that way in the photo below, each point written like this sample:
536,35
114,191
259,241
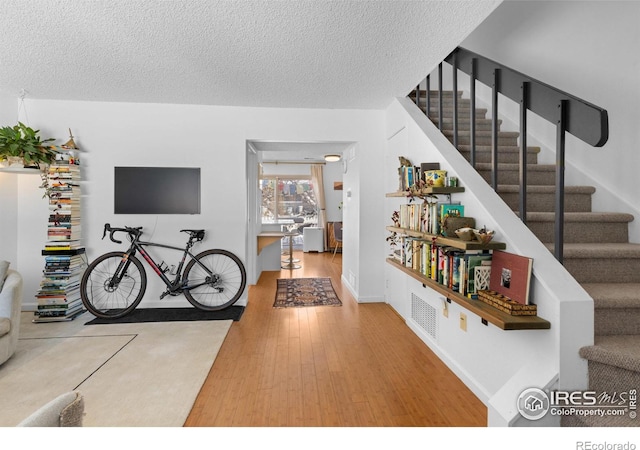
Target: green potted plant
21,144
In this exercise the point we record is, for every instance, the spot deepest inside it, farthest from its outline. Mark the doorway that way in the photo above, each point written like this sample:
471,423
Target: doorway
281,171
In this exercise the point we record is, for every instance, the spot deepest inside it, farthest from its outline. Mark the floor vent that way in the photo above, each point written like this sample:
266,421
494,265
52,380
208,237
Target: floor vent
424,315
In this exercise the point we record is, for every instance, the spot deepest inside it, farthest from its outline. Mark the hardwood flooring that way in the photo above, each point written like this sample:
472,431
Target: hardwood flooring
355,365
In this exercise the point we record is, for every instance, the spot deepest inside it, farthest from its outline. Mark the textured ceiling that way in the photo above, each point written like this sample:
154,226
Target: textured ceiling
316,54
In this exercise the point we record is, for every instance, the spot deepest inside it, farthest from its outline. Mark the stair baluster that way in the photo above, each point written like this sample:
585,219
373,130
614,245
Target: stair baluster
524,106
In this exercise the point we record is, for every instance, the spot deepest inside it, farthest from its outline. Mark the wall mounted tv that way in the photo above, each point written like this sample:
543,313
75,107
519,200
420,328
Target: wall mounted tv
157,190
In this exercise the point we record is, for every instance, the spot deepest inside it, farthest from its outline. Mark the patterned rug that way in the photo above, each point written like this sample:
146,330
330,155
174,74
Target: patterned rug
305,292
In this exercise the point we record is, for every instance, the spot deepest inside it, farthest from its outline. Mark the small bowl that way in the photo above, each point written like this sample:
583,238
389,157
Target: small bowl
465,234
485,237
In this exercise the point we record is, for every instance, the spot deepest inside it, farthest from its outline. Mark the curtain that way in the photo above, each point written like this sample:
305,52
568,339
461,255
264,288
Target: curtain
318,190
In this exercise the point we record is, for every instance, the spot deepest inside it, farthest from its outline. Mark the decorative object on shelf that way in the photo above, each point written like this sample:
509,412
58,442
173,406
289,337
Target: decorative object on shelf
394,238
482,276
506,304
511,276
435,178
451,224
466,233
22,146
483,235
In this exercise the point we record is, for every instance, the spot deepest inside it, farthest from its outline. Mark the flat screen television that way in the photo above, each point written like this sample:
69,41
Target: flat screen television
157,190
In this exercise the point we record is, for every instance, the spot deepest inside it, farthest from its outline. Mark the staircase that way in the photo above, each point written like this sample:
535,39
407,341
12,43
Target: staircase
597,251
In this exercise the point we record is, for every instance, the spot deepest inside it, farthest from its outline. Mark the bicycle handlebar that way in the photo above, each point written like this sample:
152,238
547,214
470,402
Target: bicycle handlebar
130,230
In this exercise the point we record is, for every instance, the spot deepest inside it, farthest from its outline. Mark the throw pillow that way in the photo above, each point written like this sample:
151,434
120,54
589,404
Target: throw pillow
4,267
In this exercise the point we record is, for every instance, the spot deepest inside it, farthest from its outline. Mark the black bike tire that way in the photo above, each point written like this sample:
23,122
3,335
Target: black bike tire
88,302
233,259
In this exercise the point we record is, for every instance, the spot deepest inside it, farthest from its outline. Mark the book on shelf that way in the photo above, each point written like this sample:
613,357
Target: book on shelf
511,276
450,210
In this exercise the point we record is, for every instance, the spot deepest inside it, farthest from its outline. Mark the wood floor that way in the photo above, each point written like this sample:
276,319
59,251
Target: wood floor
355,365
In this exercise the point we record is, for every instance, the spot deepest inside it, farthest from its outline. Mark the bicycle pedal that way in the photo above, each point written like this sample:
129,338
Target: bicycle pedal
164,294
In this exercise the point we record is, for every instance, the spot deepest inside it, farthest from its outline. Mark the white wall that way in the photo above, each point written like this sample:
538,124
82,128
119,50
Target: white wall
8,189
213,138
589,49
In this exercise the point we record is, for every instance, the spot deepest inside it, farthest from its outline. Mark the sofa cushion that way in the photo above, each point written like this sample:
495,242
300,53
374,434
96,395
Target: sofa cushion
5,326
4,267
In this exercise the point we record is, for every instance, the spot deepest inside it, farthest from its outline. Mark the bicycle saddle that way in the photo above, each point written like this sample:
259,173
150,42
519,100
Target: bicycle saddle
198,234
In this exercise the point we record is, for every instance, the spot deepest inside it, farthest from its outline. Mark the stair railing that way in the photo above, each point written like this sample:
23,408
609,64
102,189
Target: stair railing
571,114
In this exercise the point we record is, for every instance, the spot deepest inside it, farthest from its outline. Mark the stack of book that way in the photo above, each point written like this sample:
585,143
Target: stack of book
59,296
63,232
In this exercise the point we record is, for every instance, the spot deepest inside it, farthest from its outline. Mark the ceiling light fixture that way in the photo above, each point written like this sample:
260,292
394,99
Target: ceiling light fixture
331,158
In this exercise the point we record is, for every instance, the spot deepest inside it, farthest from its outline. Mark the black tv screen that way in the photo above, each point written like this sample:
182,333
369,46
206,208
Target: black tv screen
157,190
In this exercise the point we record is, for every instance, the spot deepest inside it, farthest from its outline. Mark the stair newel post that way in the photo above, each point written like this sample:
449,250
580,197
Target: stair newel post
418,96
561,128
428,87
440,96
494,129
454,82
524,107
472,94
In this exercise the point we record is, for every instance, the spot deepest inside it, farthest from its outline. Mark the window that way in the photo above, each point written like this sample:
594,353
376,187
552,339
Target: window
285,198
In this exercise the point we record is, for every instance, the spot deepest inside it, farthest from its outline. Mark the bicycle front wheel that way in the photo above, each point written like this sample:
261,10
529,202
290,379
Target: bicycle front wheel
214,280
112,286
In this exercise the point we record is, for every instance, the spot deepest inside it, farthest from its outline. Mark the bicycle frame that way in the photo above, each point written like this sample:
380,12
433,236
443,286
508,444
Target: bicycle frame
174,286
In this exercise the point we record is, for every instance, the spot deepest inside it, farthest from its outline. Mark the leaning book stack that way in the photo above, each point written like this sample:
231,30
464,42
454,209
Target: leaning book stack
58,298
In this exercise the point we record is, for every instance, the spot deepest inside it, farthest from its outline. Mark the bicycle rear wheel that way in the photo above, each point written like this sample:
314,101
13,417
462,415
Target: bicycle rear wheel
112,287
214,280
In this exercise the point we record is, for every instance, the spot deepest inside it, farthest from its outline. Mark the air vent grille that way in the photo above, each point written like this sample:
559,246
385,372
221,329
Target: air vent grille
424,315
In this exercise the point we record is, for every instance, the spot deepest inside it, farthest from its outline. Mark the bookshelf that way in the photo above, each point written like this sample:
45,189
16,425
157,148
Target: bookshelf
58,298
487,313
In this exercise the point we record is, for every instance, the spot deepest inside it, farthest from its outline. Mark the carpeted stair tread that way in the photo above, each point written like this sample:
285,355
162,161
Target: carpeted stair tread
541,189
531,167
597,217
435,93
622,250
503,149
483,133
614,295
620,351
464,124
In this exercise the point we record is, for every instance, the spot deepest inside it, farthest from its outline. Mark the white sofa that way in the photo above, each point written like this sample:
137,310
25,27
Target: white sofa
10,305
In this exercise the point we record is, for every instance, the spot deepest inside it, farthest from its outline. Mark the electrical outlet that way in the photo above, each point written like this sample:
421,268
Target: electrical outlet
463,321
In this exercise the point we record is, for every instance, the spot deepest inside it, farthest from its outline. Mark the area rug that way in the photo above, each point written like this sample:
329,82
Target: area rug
172,315
294,292
131,375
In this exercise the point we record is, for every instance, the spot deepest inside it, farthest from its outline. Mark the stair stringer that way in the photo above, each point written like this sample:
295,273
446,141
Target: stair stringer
560,299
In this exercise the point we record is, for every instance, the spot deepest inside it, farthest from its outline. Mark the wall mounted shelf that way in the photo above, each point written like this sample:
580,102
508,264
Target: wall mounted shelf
449,242
20,170
486,312
427,191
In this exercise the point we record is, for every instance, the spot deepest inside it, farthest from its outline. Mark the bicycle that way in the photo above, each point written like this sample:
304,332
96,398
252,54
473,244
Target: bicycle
114,284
